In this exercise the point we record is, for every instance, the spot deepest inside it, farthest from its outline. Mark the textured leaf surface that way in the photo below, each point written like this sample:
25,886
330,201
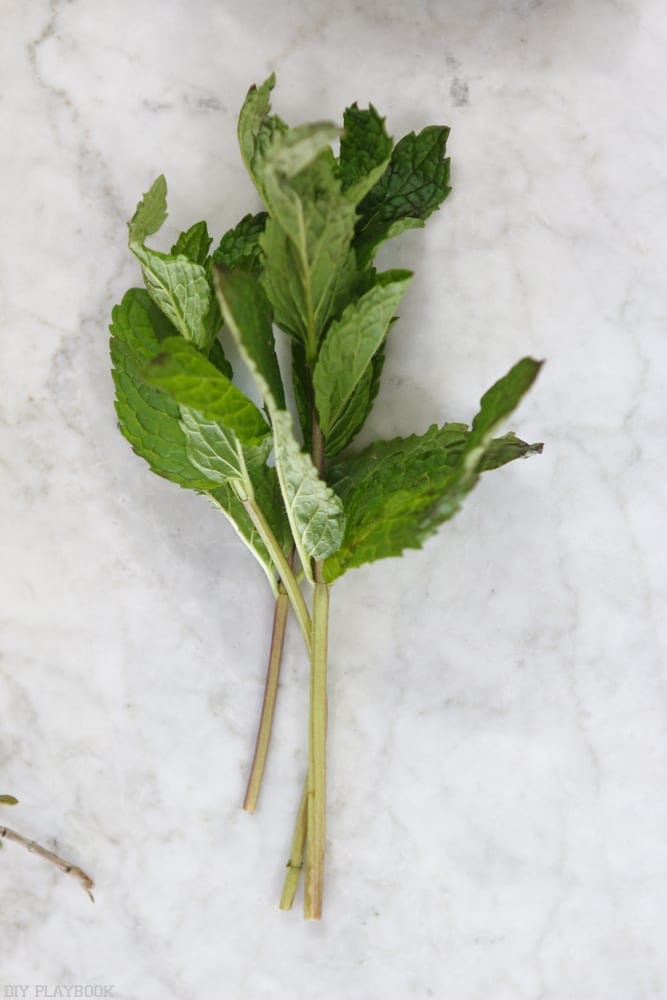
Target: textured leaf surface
350,344
365,151
181,290
396,493
414,185
190,380
306,244
239,247
147,418
314,511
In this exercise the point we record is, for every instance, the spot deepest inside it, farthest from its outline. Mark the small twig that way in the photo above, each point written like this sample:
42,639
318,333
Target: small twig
86,882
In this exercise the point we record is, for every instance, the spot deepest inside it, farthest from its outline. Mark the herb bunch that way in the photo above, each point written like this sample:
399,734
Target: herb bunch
308,508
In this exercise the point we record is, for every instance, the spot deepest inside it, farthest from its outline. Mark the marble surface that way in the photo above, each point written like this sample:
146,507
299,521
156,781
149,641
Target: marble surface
498,732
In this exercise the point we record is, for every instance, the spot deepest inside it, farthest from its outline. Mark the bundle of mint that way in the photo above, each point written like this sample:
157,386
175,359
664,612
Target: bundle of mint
308,508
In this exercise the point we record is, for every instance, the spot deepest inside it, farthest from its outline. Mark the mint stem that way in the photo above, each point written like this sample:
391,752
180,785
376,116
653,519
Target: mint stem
269,702
35,848
295,863
317,730
283,567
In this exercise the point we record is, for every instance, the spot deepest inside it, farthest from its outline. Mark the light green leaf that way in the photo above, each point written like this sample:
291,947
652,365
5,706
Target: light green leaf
314,511
248,314
150,212
307,254
257,129
365,151
194,244
180,289
213,448
412,188
147,418
350,344
190,380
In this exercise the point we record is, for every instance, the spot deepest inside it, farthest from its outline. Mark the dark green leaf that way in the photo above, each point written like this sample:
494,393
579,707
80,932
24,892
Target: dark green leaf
147,418
194,243
415,185
365,151
239,247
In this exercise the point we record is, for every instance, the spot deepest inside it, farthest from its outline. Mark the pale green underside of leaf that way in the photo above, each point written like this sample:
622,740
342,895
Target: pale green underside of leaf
351,342
308,262
257,129
314,511
191,380
147,418
224,498
180,289
397,493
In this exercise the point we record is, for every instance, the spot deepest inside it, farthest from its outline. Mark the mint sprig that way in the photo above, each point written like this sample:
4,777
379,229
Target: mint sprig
302,501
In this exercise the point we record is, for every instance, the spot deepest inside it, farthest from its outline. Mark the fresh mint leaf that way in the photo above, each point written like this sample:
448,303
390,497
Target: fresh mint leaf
257,129
412,188
8,800
181,372
396,493
365,151
306,243
150,212
315,513
360,404
350,344
180,289
249,316
239,247
194,244
148,419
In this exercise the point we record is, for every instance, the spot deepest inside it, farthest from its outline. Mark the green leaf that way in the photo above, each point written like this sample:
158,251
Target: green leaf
239,247
314,511
8,800
213,448
412,188
194,244
350,344
397,493
190,380
257,129
358,407
248,314
301,389
365,151
181,290
147,418
150,212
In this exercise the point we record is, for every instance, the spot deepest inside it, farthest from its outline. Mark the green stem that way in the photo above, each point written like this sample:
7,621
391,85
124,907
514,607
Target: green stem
295,863
269,702
284,569
316,820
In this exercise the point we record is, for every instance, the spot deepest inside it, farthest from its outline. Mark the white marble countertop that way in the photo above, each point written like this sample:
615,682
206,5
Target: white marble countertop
498,731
